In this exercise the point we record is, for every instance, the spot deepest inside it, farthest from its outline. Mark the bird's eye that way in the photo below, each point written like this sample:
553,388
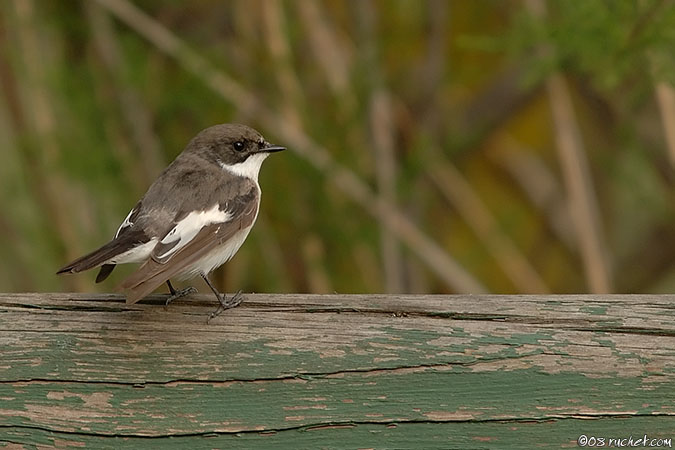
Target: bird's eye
239,146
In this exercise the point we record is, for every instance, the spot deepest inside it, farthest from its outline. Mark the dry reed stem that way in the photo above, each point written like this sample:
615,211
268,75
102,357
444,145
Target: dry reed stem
665,97
50,187
332,53
382,136
583,206
314,254
274,254
582,202
438,261
664,92
468,204
385,170
430,75
277,44
540,186
15,268
107,88
292,102
135,114
333,58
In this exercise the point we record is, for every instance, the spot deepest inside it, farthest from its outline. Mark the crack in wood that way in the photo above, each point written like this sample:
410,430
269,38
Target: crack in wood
345,424
574,324
305,376
84,308
629,330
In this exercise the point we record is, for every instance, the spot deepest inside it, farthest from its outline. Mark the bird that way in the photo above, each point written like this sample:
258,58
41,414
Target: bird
193,217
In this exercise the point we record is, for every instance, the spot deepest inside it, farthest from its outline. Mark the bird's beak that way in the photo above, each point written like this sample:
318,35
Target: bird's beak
269,148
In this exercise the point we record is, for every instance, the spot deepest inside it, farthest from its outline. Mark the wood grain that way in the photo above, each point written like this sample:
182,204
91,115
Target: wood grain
335,371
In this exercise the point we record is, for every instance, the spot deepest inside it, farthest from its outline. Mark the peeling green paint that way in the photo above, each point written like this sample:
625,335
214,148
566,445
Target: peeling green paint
594,310
426,394
285,377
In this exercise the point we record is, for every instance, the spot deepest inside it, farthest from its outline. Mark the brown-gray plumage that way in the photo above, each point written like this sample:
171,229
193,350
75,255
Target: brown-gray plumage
193,217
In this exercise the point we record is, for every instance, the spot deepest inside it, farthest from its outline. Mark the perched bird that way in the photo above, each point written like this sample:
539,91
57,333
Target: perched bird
192,219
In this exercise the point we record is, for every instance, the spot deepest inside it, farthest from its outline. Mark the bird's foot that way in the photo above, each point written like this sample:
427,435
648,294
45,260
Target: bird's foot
226,304
175,295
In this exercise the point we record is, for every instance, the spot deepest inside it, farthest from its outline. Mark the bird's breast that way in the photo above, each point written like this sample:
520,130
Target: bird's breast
218,256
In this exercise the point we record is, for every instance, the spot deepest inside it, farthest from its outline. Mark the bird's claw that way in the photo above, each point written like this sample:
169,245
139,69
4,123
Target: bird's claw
226,304
179,294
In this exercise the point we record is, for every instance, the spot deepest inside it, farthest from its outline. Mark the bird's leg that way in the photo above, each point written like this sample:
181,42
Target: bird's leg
178,294
224,304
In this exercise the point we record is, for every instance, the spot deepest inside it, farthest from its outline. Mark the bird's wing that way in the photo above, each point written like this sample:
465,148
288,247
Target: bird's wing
124,229
129,220
192,237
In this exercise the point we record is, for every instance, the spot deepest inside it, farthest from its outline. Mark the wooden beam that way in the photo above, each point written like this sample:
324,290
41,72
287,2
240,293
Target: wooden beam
308,371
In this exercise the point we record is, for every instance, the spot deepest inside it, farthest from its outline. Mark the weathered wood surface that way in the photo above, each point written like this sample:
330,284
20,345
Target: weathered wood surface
338,371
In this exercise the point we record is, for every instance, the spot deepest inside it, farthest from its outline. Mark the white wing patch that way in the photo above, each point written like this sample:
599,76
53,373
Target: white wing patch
127,223
186,229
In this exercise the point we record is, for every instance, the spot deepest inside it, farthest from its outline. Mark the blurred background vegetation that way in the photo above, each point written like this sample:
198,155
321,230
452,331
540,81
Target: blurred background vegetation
435,146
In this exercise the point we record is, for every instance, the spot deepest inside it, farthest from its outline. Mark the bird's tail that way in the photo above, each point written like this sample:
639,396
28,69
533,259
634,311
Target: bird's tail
99,256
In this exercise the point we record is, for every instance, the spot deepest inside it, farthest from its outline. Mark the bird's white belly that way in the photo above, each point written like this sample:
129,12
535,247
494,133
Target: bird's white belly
218,256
